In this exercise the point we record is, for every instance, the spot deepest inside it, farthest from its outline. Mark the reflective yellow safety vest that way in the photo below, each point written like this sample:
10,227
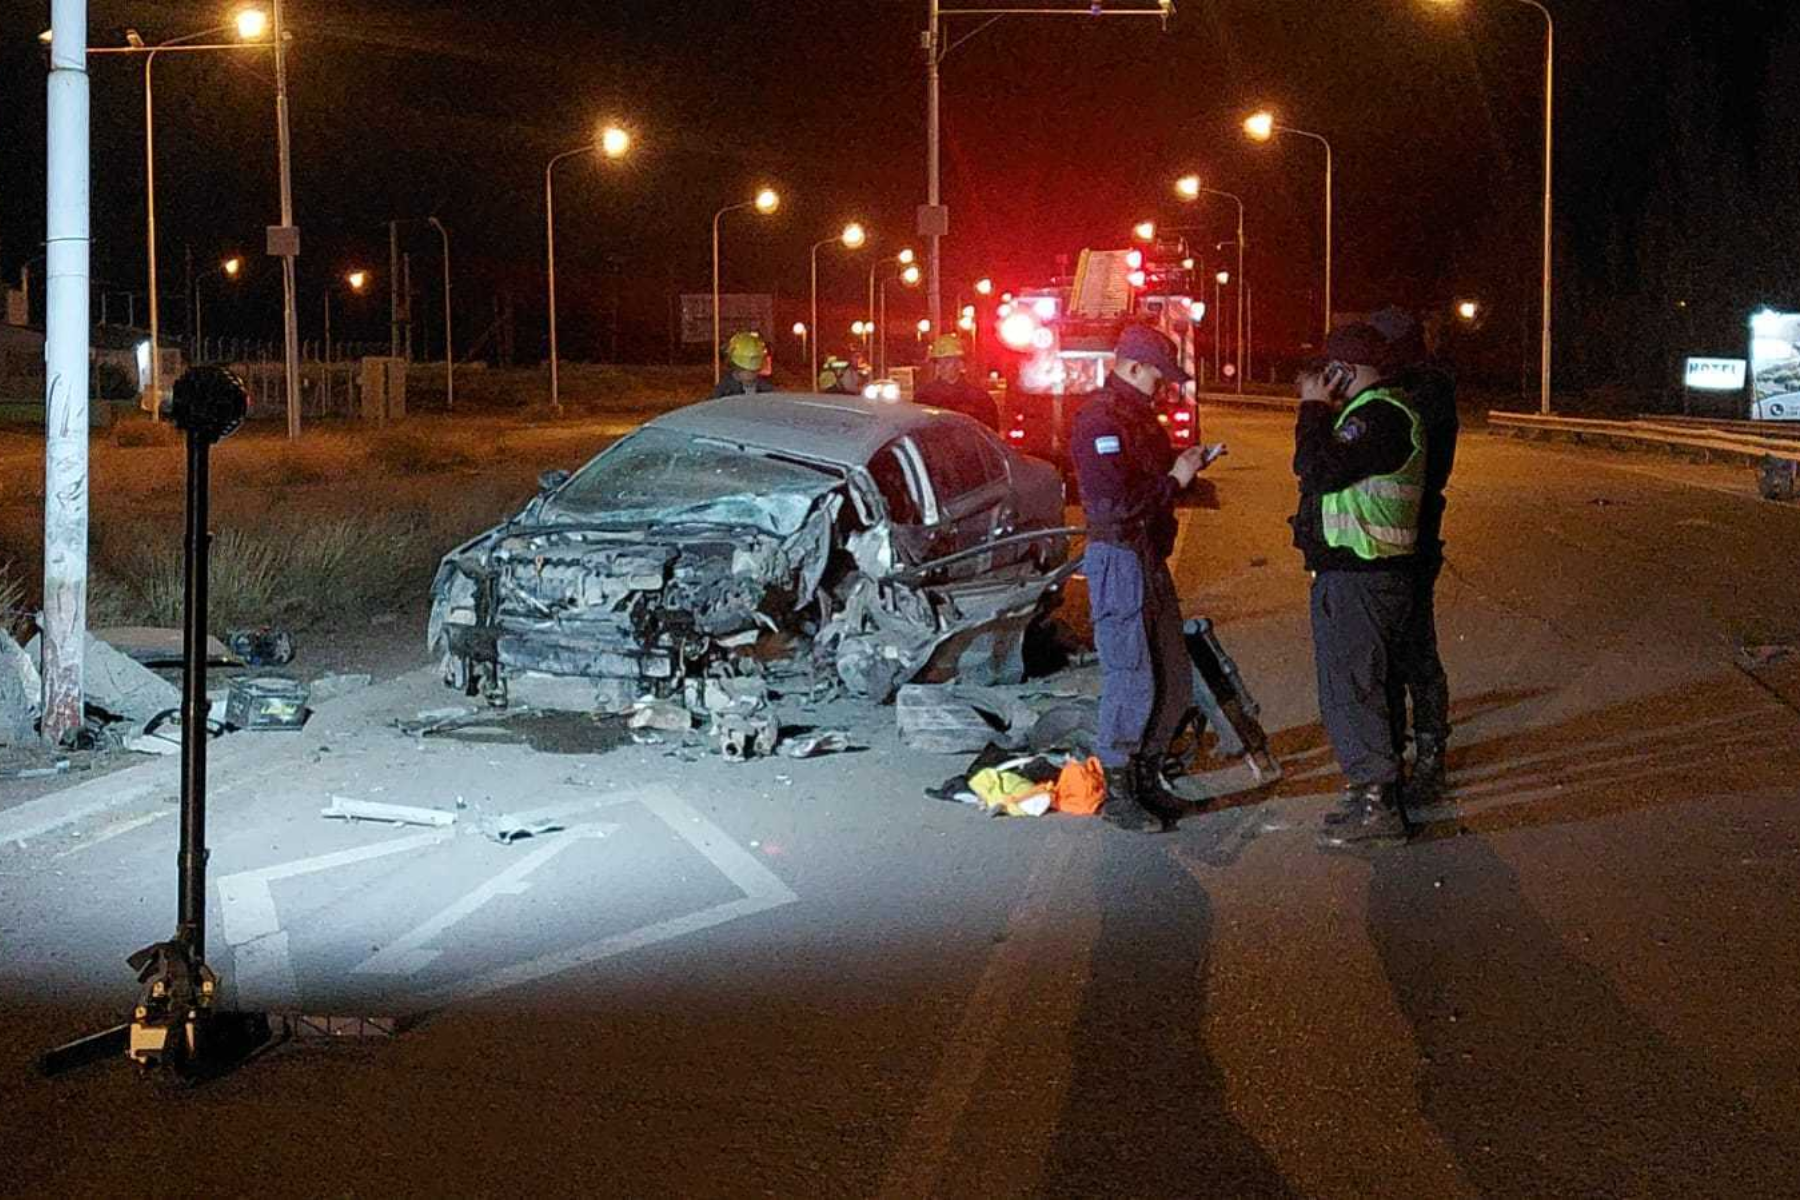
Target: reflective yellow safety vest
1378,517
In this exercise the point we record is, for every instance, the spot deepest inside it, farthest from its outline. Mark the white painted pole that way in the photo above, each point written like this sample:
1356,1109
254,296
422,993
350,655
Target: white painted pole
66,375
934,281
290,313
150,212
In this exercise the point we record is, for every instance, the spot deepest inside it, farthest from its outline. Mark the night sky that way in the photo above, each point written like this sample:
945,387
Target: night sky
1058,134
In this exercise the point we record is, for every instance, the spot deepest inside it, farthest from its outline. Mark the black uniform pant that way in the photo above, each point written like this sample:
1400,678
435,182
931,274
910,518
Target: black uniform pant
1421,670
1359,626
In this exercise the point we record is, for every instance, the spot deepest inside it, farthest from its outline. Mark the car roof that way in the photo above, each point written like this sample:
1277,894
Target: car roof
844,430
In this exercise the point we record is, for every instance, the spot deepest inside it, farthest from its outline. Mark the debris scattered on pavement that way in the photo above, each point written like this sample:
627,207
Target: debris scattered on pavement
114,683
814,744
157,646
952,718
262,647
59,767
260,702
20,692
667,715
344,808
506,828
333,687
743,722
438,720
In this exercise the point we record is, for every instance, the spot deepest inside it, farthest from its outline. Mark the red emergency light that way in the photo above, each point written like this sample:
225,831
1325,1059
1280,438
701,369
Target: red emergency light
1018,329
1134,259
1136,279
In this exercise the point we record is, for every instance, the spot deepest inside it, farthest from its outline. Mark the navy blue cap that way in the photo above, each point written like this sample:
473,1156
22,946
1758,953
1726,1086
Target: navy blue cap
1359,345
1140,343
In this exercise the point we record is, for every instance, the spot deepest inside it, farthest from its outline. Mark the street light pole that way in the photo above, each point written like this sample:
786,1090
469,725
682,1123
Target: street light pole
1549,132
1261,126
550,250
290,313
932,40
852,237
449,340
67,332
1191,187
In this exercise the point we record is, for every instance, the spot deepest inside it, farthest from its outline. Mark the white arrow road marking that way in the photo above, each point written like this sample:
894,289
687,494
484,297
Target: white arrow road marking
407,955
762,891
260,948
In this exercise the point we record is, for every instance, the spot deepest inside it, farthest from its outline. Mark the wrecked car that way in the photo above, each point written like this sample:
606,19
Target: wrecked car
860,541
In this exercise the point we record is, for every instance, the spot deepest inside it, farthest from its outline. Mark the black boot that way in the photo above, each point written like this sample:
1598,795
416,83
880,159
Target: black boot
1123,808
1370,812
1426,785
1153,792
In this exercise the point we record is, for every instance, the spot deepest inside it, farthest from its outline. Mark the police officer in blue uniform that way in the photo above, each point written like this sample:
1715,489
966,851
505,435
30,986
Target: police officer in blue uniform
1130,476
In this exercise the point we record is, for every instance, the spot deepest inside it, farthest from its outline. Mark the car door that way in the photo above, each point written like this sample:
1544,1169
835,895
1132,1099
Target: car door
966,475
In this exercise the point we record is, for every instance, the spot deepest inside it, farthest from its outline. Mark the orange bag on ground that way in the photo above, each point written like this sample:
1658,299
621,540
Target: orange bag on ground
1080,788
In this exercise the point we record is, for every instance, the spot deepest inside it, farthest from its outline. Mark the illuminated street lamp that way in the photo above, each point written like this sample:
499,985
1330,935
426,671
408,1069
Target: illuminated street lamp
231,268
356,281
250,25
1548,201
1190,187
908,274
924,328
852,238
800,332
764,202
984,286
1261,126
1144,231
610,142
1468,310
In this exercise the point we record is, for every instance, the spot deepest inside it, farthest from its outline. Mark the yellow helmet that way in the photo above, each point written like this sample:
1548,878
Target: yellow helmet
947,346
746,351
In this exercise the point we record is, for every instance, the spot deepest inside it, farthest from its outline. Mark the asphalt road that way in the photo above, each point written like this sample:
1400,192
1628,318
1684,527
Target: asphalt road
805,978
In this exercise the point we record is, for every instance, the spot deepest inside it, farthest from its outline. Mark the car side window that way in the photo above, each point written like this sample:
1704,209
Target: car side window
898,490
955,459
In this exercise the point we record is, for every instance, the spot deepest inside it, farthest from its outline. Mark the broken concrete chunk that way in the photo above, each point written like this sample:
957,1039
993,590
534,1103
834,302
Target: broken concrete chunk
814,744
507,829
21,691
116,684
667,715
955,718
345,809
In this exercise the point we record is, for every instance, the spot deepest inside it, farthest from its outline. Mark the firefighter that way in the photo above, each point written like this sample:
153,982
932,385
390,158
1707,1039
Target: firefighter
1359,453
1130,477
949,388
1432,387
747,355
838,377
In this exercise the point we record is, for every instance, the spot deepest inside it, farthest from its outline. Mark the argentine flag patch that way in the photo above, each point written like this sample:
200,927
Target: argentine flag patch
1106,445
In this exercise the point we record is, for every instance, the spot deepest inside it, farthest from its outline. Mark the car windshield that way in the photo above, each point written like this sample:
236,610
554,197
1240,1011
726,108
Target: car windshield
658,475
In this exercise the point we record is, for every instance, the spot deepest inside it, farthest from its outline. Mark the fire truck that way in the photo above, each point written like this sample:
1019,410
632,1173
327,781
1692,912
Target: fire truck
1057,343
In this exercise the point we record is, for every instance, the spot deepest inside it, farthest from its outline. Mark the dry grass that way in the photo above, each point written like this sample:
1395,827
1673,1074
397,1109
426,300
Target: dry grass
136,434
347,522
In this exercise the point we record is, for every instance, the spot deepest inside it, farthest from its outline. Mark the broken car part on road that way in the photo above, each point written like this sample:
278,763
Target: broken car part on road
874,544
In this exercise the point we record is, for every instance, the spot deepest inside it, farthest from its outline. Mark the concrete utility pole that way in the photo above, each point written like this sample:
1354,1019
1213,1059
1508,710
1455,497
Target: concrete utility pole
66,375
934,218
288,243
449,341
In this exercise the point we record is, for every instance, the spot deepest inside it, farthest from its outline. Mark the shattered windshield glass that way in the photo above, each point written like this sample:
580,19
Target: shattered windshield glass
662,475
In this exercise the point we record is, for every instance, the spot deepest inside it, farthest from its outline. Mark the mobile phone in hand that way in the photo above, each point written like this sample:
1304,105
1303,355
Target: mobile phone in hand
1213,453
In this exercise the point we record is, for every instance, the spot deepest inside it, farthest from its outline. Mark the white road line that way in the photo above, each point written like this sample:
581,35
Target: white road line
762,892
262,954
407,955
115,830
248,907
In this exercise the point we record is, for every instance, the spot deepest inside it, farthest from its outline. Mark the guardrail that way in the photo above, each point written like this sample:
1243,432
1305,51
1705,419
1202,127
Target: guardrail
1249,400
1705,441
